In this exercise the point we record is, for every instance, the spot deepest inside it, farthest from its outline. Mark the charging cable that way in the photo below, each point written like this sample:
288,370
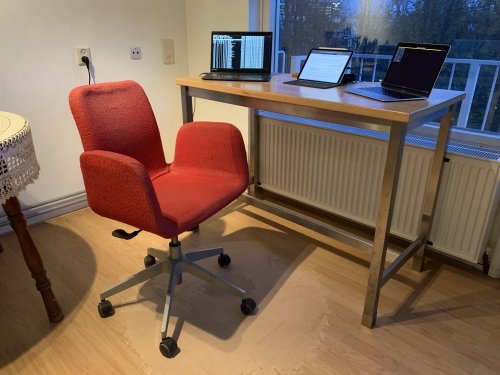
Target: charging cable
86,61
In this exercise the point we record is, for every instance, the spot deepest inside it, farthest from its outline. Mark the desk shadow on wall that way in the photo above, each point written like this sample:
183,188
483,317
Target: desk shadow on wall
71,269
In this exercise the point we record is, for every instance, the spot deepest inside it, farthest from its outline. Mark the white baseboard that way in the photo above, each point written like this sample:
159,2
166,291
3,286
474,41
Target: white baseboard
47,210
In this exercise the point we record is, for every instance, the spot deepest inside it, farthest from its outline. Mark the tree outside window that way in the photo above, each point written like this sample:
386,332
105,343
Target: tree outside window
374,27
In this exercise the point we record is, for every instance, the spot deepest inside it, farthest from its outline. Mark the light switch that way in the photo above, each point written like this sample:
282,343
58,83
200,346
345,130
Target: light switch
168,51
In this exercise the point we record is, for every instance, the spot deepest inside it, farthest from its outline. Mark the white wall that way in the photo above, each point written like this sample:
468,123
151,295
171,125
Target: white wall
38,70
202,18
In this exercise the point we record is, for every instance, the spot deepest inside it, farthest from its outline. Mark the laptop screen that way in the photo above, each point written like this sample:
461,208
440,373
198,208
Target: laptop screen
415,66
244,51
325,65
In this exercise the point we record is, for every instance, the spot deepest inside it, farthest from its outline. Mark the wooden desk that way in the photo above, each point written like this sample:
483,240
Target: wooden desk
335,106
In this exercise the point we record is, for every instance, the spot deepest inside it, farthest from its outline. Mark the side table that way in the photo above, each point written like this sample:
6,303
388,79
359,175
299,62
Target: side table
18,168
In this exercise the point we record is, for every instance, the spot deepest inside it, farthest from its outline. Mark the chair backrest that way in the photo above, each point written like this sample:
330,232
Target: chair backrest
122,151
118,117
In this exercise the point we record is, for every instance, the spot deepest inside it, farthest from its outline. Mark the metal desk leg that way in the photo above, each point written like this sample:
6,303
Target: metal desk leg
187,106
33,259
382,228
433,187
253,151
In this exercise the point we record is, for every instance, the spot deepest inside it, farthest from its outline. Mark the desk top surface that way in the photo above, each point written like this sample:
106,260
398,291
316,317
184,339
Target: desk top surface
334,100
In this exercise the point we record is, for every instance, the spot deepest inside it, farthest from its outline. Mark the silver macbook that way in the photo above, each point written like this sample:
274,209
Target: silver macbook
323,68
411,75
240,56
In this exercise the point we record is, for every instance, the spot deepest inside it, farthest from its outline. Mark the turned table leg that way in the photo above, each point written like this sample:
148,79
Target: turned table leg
32,259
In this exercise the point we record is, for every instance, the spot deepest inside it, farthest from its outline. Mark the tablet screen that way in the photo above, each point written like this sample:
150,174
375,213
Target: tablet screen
326,65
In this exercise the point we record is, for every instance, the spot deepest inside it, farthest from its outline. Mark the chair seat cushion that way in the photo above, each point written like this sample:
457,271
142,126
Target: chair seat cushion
186,200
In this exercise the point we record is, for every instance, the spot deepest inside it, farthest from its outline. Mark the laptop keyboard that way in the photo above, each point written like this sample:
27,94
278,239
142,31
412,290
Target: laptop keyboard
225,76
391,93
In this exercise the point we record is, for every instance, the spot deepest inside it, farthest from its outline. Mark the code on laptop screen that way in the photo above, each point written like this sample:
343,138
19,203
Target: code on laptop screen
241,51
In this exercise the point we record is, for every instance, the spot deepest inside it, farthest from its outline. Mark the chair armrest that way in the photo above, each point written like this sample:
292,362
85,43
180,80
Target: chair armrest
211,149
118,187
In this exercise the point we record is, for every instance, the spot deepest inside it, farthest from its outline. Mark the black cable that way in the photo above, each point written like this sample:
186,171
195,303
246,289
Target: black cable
358,71
86,61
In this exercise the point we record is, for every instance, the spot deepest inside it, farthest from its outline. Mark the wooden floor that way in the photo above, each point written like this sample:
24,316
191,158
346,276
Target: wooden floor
309,290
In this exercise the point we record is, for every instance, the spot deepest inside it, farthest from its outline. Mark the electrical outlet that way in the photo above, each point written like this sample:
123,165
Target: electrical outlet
168,51
135,53
80,52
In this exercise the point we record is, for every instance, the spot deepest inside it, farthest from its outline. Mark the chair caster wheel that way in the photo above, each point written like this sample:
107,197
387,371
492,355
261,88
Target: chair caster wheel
168,347
248,306
105,309
224,260
149,260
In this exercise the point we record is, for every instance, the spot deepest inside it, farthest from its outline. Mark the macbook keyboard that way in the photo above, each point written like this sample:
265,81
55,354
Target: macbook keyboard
391,93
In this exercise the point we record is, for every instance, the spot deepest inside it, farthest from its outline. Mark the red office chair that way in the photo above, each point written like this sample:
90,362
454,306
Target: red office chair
127,179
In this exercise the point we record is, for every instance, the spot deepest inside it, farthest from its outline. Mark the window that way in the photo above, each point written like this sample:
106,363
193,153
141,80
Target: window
372,28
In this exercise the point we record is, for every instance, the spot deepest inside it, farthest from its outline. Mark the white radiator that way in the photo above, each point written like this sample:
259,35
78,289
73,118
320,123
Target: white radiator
342,174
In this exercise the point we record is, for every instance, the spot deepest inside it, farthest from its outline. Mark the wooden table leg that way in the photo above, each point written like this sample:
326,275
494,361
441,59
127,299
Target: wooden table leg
32,259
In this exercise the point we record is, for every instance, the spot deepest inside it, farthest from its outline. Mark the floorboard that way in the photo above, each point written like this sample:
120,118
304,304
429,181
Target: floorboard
309,290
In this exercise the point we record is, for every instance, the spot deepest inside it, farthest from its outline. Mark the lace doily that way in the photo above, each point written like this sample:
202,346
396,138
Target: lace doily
18,164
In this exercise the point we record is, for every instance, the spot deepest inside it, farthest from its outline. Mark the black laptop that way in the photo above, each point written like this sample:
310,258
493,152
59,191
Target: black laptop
323,68
411,75
240,56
